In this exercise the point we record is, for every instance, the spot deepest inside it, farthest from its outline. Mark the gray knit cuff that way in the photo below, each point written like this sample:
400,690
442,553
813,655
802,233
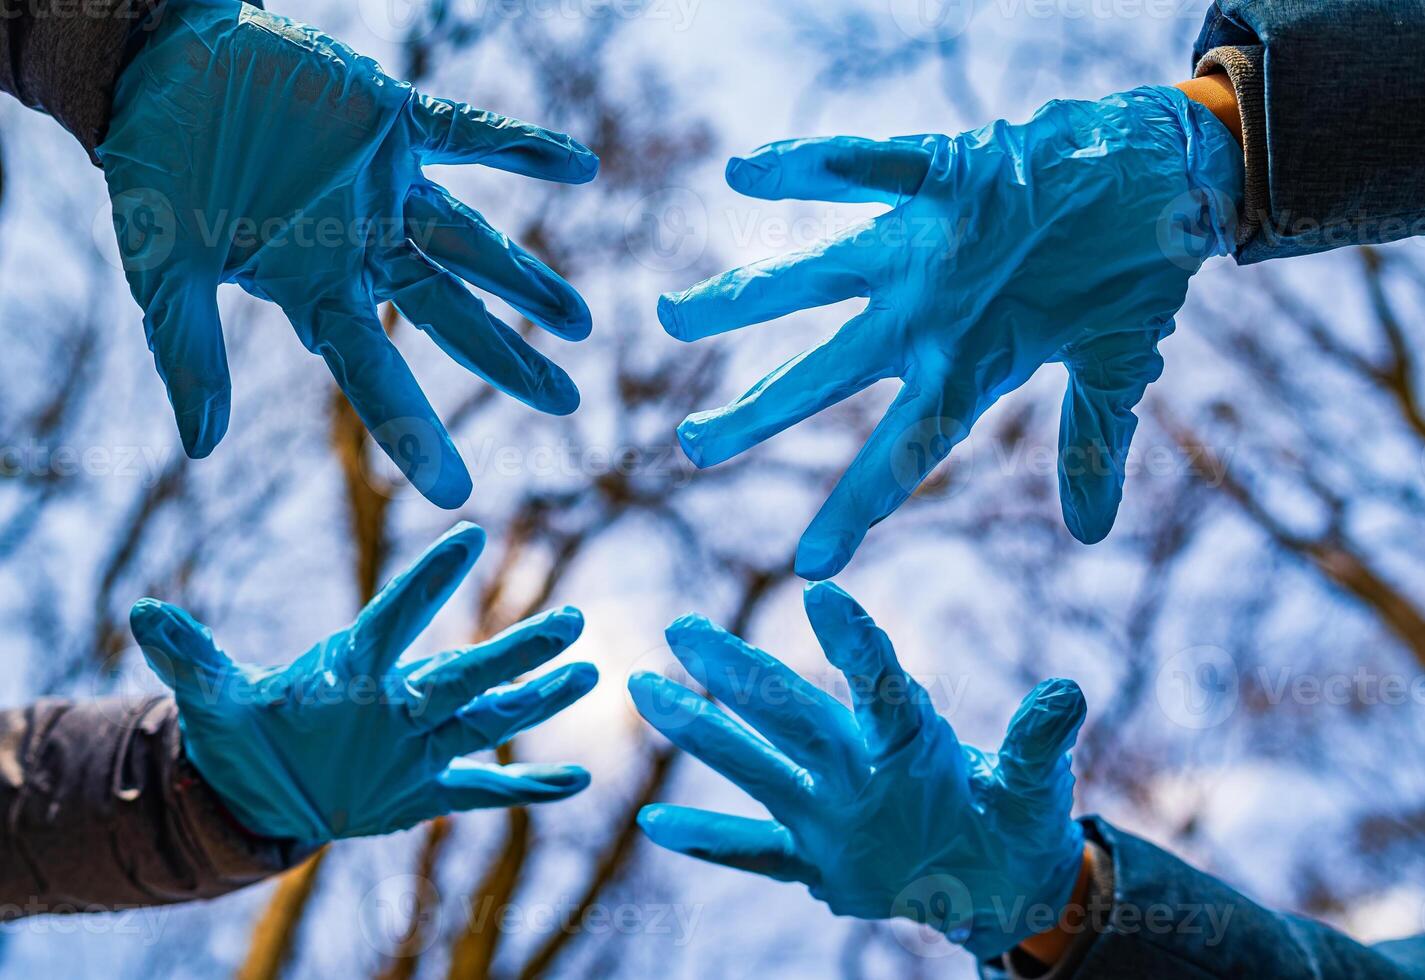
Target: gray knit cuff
1098,906
1243,65
64,58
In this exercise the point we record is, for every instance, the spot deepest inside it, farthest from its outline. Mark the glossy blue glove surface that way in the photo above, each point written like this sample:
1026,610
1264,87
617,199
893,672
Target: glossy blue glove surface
247,148
881,812
345,741
1069,238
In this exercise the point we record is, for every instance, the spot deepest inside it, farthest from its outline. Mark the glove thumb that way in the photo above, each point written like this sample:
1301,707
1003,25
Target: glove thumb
180,650
1107,379
1043,729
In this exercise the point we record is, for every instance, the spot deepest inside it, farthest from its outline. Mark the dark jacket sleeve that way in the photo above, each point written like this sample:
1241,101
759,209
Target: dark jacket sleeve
102,810
63,57
1170,921
1333,113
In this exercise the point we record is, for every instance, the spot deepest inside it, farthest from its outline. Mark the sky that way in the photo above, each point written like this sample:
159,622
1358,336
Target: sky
751,68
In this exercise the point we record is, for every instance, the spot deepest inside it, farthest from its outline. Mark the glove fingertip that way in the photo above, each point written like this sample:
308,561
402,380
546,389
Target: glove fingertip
568,622
583,678
1047,722
671,319
650,818
204,427
1088,522
564,780
749,175
561,395
826,594
689,624
821,558
450,489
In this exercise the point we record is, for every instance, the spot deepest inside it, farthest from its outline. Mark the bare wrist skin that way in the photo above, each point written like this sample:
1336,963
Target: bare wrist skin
1049,947
1215,91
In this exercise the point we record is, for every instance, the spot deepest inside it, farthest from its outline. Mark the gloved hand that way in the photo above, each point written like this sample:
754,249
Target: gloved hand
247,148
1069,238
345,741
883,812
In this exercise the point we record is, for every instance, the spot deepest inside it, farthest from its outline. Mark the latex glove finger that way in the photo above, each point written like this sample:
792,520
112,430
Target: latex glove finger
763,847
810,726
438,303
919,429
467,785
700,728
405,605
844,169
384,393
448,681
453,132
846,363
892,709
1033,758
181,651
495,718
1107,379
829,272
186,338
461,240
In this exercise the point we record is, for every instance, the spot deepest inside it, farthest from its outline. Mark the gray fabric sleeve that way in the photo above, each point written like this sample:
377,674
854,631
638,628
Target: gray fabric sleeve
1243,65
102,810
63,57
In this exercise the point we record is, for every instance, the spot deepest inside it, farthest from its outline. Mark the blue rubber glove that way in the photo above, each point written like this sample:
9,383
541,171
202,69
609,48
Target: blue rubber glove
247,148
881,812
1070,238
345,741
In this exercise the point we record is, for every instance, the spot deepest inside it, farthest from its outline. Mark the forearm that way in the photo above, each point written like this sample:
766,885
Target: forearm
63,58
1333,118
102,811
1168,920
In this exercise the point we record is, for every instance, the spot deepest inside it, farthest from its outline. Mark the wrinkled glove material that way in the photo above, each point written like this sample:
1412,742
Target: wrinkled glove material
880,810
346,741
248,148
1069,238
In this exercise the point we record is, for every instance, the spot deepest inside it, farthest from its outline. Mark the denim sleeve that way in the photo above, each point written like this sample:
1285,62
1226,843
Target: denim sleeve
101,810
1172,922
1337,155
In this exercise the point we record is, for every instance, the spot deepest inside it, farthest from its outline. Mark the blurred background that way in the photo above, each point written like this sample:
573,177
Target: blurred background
1250,638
